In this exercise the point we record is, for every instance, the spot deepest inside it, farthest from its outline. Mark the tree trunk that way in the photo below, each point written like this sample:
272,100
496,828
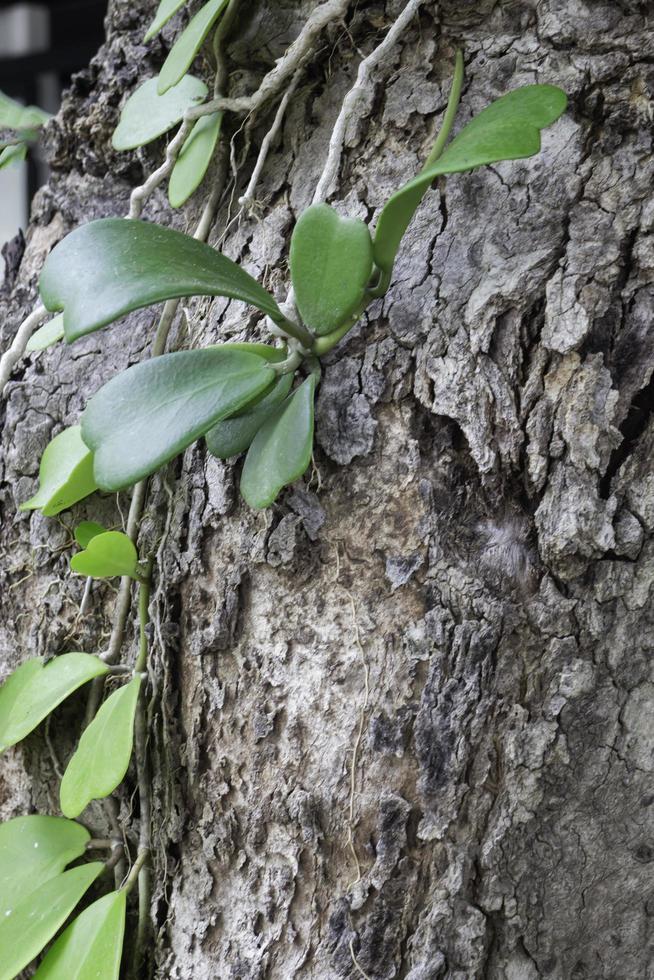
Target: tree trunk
401,722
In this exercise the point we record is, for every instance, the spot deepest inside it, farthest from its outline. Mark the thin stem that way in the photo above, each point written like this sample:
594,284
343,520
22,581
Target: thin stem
133,876
354,96
450,112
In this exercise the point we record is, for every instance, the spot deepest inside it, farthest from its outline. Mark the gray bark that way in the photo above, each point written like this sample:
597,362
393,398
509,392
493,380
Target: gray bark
480,514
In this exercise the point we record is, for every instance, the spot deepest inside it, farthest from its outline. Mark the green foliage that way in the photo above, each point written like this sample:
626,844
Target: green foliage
188,44
103,753
33,921
281,449
65,474
15,116
194,159
25,121
33,850
331,263
107,554
145,416
47,335
110,267
147,114
35,689
87,530
233,435
508,129
165,10
91,947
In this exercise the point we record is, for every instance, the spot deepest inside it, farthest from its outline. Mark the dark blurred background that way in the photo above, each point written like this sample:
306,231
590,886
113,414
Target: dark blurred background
41,46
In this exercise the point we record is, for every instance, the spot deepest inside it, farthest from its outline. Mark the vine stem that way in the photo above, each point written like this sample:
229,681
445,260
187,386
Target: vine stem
273,83
13,354
332,164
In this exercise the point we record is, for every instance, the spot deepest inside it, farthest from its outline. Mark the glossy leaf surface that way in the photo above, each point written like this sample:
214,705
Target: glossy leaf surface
165,10
194,158
148,414
103,753
47,335
147,115
233,435
91,947
33,922
65,474
281,449
87,530
110,267
188,44
331,263
108,554
32,850
35,689
508,129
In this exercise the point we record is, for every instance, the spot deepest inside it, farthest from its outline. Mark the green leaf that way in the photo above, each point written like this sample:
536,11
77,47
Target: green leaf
281,449
110,267
65,474
165,10
188,44
12,154
331,263
194,159
234,434
145,416
15,116
87,530
35,689
103,753
508,129
47,335
34,921
108,554
147,115
33,850
91,947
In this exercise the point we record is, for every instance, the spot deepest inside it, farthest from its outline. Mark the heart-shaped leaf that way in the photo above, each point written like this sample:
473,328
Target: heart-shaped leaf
110,267
103,753
91,947
108,554
145,416
35,689
87,530
47,335
165,10
147,114
194,158
331,263
233,435
508,129
65,474
32,922
188,44
281,449
33,850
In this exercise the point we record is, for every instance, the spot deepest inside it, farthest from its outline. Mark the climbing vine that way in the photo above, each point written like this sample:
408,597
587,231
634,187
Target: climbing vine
255,399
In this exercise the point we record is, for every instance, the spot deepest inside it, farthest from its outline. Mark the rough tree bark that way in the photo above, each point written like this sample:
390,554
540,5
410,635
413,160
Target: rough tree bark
402,722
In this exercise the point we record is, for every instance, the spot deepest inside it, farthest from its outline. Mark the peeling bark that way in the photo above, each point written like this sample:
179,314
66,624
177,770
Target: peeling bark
480,515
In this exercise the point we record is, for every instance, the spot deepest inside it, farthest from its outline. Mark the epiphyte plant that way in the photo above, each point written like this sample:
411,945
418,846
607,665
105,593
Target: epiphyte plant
19,129
251,398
